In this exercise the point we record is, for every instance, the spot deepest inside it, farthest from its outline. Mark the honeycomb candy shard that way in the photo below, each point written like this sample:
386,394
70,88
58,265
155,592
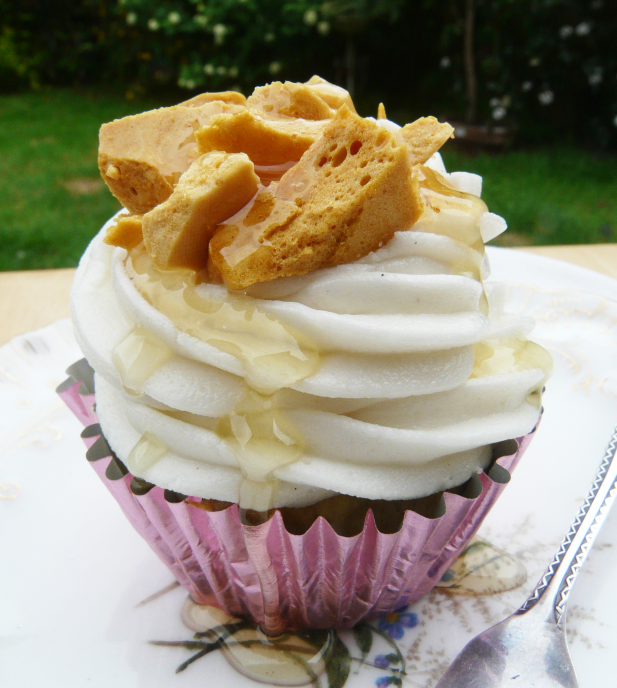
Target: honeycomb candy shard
177,232
424,137
142,156
229,97
266,142
334,96
289,100
126,232
346,197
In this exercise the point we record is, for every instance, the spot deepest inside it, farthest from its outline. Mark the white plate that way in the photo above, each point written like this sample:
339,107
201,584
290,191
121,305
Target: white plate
72,572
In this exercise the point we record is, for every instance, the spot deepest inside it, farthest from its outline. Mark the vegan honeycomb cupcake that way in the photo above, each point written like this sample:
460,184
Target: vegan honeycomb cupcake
307,396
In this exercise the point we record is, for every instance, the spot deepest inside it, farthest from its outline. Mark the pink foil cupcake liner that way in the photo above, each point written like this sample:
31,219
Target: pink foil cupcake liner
280,580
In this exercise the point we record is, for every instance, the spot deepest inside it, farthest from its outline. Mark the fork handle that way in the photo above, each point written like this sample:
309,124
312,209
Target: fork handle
556,583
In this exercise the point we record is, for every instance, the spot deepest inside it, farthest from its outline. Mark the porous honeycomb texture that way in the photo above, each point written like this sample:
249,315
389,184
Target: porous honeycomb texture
352,190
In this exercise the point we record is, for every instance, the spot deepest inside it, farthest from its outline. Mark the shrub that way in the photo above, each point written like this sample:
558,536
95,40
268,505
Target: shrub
546,67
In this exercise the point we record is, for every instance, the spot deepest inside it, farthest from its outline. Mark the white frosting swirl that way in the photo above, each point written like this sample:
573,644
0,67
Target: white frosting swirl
388,378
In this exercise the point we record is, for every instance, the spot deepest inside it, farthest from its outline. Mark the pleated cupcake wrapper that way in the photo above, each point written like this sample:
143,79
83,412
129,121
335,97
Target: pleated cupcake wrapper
279,580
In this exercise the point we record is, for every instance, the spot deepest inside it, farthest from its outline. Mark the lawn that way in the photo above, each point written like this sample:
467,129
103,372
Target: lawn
54,200
548,196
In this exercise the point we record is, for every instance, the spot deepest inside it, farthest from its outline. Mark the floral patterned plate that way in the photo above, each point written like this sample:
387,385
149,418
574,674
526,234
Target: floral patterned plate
83,601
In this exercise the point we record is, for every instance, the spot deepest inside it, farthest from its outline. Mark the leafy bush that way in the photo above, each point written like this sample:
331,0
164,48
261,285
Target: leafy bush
545,67
52,43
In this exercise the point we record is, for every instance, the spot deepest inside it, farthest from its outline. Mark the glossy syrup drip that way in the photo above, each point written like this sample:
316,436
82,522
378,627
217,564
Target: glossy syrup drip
508,356
263,440
271,208
137,357
146,452
272,357
272,173
266,212
493,357
450,212
455,214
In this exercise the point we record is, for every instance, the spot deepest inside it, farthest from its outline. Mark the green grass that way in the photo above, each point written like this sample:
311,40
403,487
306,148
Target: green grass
547,196
53,201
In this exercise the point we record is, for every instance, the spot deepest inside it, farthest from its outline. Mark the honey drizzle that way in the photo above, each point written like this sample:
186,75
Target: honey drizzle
271,209
272,356
493,357
455,214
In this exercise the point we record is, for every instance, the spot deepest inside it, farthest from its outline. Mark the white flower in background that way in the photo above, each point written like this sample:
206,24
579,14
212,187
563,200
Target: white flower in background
499,104
269,37
566,31
583,28
200,19
499,113
153,25
131,18
445,62
323,28
546,97
233,72
596,77
173,17
189,83
310,17
526,86
534,62
221,70
209,69
275,67
219,31
615,121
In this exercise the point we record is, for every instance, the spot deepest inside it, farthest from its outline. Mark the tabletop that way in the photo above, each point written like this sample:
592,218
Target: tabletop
34,298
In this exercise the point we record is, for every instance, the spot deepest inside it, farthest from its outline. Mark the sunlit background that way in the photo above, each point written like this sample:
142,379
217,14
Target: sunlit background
530,86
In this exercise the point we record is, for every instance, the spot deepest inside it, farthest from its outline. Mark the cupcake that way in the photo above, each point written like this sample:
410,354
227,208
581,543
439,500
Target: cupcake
307,395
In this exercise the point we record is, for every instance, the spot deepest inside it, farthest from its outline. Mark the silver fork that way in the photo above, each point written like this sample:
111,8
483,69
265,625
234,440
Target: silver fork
529,648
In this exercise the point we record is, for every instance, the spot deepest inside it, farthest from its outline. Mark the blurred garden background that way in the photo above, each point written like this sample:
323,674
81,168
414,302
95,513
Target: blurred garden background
530,86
